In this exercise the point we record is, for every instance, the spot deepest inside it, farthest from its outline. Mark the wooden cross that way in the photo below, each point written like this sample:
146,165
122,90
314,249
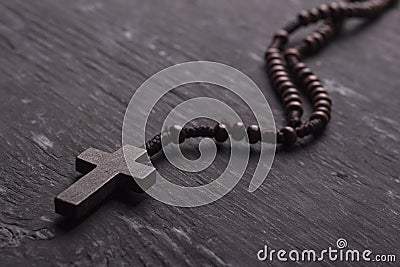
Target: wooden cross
105,173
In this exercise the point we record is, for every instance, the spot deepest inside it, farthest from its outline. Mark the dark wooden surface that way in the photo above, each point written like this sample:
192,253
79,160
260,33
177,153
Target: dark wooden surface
67,72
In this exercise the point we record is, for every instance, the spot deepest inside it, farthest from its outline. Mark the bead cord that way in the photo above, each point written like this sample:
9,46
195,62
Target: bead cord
288,74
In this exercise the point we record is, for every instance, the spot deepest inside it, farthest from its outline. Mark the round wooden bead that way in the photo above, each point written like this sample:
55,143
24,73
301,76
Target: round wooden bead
310,79
177,136
285,86
238,131
295,105
299,66
289,135
275,62
289,91
314,15
221,134
291,98
322,96
322,103
320,115
276,69
324,11
315,91
304,73
293,52
254,134
279,74
304,17
327,111
282,35
320,40
281,80
314,85
311,43
273,56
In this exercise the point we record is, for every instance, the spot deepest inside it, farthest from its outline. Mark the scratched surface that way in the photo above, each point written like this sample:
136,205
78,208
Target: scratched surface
67,72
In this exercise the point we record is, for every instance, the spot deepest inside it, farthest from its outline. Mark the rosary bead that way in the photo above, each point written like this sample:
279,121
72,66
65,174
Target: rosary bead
293,52
310,79
304,17
276,69
322,103
324,11
295,105
282,80
285,86
320,115
177,135
289,91
311,43
275,62
289,136
221,134
314,15
325,110
335,9
254,134
279,74
315,91
322,96
272,56
238,131
304,73
313,86
282,35
291,98
319,38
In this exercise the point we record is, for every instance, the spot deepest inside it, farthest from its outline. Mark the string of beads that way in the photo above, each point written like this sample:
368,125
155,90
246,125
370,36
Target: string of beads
287,74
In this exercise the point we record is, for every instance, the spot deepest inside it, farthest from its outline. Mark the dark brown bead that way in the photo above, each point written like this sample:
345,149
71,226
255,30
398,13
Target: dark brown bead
289,91
322,103
281,80
316,90
289,136
299,66
282,35
303,73
304,17
311,43
238,131
295,106
273,56
293,52
275,62
176,134
276,69
254,134
319,38
322,96
221,133
327,111
320,115
310,79
324,11
314,15
312,86
285,86
279,74
273,51
335,9
291,98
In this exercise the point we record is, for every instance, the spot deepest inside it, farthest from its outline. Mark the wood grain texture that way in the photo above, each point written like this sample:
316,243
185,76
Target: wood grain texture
67,72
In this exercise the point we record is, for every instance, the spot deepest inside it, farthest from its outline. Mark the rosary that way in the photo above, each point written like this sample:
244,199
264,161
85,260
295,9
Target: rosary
288,74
